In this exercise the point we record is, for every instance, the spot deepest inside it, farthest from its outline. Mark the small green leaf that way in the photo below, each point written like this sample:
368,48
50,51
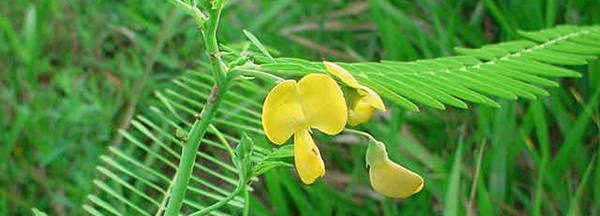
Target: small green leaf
242,161
258,44
267,165
285,151
274,159
37,212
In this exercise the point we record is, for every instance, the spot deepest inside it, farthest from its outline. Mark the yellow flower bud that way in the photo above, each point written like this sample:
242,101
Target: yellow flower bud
389,178
362,102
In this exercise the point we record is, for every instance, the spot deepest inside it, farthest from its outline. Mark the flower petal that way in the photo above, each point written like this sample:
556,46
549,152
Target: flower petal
363,106
360,113
342,74
323,103
393,180
307,157
372,98
282,113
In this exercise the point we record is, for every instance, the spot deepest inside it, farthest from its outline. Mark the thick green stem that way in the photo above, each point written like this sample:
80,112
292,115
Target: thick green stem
246,203
196,134
188,156
212,46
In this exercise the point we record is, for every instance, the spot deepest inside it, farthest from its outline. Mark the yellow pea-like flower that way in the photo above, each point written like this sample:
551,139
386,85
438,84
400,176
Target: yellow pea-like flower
293,108
389,178
362,102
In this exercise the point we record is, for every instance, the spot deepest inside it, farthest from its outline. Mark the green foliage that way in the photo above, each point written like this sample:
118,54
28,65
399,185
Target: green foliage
507,70
149,164
451,200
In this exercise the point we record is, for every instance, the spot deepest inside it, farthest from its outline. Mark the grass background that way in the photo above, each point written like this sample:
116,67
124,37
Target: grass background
73,72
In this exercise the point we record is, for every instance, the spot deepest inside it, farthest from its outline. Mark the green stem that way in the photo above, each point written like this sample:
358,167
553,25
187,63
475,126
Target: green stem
246,203
241,187
256,73
212,46
362,133
221,138
196,134
188,157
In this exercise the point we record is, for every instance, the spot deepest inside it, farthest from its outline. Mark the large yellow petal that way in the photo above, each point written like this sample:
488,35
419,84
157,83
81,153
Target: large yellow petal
342,74
393,180
282,113
307,157
323,103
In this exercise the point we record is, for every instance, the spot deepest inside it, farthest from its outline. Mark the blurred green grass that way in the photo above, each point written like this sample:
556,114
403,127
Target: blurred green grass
73,72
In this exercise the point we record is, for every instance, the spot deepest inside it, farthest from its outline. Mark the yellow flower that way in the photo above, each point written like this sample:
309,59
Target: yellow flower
293,108
389,178
362,101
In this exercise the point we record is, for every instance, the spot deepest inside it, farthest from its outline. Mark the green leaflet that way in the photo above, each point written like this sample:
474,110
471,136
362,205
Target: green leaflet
134,178
511,70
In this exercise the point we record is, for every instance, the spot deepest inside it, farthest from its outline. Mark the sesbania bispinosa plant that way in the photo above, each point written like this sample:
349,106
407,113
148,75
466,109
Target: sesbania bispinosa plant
312,97
291,108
